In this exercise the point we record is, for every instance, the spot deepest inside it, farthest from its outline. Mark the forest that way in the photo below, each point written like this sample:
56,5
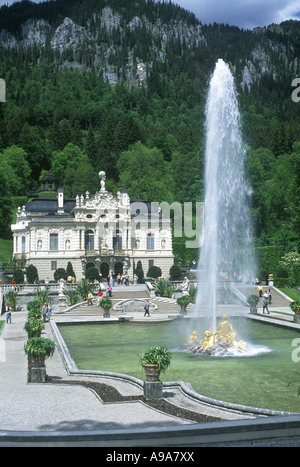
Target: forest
62,115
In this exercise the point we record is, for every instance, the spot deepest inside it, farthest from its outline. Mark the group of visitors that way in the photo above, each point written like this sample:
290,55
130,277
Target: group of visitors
116,278
46,311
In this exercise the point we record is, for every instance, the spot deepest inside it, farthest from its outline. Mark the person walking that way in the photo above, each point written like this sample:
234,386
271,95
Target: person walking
265,303
147,308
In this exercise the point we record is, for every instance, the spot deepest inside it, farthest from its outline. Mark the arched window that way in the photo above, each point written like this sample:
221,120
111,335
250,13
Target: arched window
89,240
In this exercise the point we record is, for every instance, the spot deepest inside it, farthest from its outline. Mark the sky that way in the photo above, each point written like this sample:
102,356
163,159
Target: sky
246,14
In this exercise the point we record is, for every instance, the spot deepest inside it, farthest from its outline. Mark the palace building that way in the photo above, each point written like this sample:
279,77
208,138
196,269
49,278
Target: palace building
109,232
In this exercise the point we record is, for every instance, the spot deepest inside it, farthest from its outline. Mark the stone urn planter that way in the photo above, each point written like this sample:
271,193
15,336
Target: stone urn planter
295,307
252,301
38,349
106,304
183,302
155,360
151,372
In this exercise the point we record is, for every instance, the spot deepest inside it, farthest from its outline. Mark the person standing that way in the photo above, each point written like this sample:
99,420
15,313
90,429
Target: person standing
270,296
49,311
90,297
8,315
44,312
100,295
113,277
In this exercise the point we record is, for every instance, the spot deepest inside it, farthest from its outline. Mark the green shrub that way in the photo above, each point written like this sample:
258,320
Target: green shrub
139,272
11,297
154,272
175,273
18,276
83,288
159,356
60,273
70,270
92,274
39,347
164,287
31,274
73,296
105,303
34,327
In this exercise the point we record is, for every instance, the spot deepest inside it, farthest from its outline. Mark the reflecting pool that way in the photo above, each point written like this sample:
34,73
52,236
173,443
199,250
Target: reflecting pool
269,379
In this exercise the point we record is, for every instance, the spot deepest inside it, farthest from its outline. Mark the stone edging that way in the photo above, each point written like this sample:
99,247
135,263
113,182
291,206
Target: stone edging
185,388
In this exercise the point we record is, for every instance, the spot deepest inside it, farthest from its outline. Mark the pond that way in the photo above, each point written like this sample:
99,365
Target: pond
267,380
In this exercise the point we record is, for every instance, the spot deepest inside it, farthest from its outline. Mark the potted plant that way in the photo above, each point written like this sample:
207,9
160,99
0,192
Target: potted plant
295,307
11,298
37,350
106,304
253,300
34,327
73,296
155,360
183,302
164,288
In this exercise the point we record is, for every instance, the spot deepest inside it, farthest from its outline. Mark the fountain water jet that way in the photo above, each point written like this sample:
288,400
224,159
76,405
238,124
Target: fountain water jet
227,247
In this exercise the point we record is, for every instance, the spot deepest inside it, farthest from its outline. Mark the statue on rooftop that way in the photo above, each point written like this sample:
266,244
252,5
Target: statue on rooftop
102,176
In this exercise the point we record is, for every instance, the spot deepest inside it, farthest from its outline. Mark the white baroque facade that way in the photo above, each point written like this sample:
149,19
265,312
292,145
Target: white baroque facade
110,233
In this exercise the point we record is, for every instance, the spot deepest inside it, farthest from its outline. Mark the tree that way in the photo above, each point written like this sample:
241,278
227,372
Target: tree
36,149
18,169
145,174
18,276
5,197
60,273
154,272
139,272
70,270
175,272
31,274
70,157
92,274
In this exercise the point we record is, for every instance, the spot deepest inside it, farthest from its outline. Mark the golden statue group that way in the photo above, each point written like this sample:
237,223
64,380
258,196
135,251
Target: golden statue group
220,343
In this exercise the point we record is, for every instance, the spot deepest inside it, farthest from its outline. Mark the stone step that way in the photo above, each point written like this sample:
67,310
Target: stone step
277,299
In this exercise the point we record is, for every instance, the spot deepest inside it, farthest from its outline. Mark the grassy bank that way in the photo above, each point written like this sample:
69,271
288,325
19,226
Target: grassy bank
292,293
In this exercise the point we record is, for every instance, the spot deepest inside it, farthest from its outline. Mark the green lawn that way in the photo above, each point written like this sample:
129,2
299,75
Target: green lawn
292,293
6,250
1,324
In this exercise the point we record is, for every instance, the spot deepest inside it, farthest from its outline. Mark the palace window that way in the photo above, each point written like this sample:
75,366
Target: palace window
89,240
23,246
53,242
150,241
117,241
